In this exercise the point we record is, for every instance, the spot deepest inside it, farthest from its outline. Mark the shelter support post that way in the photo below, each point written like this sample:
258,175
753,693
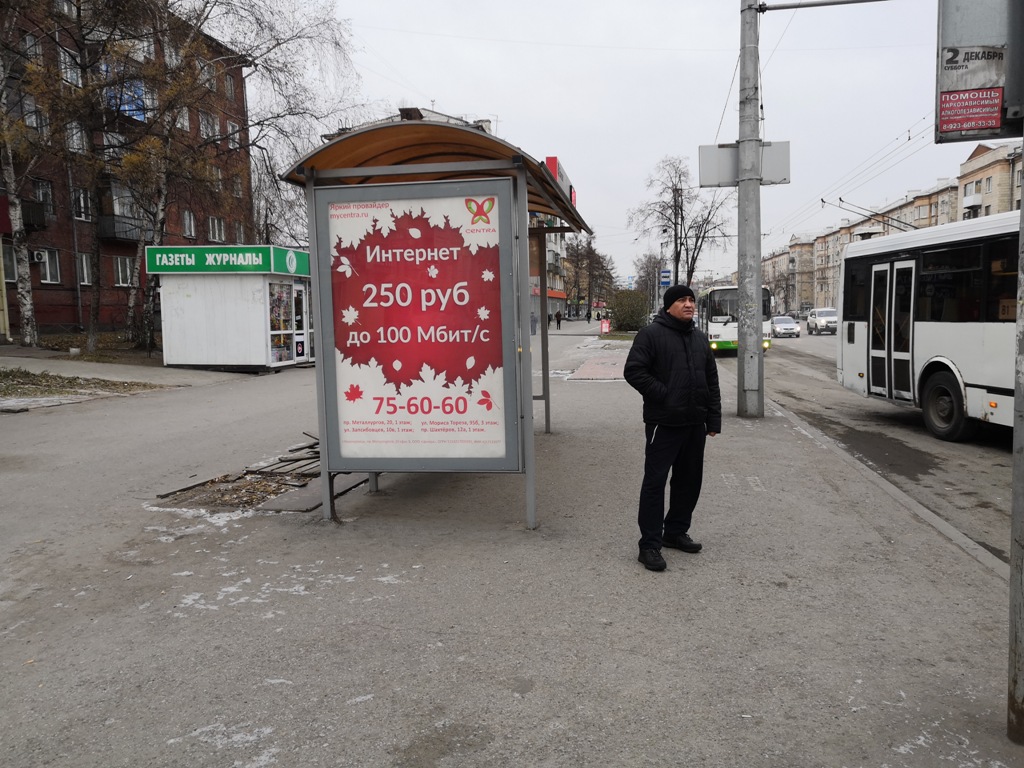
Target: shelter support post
522,234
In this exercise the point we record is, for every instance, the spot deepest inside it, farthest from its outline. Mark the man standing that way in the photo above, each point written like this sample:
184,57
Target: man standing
672,365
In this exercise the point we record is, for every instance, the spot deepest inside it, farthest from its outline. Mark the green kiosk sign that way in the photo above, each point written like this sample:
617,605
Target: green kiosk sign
261,259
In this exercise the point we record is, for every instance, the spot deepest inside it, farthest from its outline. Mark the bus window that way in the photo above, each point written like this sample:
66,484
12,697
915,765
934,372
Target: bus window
878,311
855,293
1002,284
952,287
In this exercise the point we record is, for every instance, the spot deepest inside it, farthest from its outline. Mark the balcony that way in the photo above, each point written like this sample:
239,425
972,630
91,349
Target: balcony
972,201
124,228
33,215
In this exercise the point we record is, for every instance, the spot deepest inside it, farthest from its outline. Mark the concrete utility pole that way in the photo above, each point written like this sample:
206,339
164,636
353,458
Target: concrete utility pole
750,365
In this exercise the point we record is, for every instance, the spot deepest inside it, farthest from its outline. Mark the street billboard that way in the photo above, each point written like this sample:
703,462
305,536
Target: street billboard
978,68
416,287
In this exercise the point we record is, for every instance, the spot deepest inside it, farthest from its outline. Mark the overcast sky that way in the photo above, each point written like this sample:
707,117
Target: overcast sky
611,88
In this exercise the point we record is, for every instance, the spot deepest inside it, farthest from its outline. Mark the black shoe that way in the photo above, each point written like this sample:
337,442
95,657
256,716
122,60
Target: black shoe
652,559
681,541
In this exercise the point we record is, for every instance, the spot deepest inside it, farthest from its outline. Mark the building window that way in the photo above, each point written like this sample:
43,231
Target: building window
238,186
10,272
967,189
1020,175
70,71
208,74
141,48
233,135
182,120
67,7
49,267
188,223
207,125
229,87
85,269
218,179
977,187
34,117
43,191
31,47
124,202
81,205
988,210
988,183
76,138
239,232
113,148
215,225
122,270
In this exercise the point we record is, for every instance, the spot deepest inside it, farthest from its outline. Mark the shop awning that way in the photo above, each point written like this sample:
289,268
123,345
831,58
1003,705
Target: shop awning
422,150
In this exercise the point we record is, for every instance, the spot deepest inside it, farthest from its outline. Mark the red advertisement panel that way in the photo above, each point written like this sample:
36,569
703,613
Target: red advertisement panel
416,290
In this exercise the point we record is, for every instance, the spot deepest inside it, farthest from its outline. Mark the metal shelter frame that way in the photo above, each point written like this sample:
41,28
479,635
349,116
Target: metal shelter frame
425,151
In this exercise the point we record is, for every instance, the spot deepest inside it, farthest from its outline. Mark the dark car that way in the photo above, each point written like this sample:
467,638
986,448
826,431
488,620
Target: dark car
784,325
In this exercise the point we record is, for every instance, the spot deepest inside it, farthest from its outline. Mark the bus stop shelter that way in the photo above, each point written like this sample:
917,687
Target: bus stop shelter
402,178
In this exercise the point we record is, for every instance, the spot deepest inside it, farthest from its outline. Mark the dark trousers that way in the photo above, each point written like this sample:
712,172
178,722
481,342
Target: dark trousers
681,451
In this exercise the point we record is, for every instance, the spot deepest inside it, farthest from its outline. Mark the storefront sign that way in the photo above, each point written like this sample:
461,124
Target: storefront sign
265,259
418,295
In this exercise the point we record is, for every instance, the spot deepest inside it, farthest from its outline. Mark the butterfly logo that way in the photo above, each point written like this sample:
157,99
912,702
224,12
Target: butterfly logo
479,209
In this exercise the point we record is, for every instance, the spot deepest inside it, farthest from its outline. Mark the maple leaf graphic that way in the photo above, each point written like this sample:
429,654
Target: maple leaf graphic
354,392
350,315
432,271
483,313
487,276
485,400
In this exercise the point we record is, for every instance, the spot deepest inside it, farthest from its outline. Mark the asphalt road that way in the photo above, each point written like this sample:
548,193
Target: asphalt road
967,484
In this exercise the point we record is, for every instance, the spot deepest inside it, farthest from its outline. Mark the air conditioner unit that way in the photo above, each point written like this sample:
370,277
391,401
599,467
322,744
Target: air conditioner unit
37,257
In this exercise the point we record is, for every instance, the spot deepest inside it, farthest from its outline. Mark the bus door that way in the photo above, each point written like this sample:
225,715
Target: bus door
891,330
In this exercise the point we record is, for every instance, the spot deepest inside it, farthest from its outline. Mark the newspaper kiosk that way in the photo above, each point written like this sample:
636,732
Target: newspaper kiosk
244,307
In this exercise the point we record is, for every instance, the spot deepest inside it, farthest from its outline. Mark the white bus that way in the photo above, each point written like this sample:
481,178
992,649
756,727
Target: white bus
718,314
928,318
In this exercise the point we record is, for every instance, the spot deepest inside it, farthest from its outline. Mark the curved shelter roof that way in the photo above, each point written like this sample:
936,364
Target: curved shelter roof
422,150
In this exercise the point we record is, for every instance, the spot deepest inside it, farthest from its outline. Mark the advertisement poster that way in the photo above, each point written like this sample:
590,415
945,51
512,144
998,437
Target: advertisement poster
970,86
416,297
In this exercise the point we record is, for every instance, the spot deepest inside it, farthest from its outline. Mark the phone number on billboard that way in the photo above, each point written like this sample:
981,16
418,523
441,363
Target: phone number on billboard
424,405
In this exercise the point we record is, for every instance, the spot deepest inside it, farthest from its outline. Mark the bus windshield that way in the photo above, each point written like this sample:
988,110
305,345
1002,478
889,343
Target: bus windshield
724,305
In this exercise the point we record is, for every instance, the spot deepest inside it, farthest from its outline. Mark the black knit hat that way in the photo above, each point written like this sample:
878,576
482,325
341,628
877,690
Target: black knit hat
677,292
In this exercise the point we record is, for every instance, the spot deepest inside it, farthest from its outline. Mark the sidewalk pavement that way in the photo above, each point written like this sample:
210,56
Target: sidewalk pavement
829,622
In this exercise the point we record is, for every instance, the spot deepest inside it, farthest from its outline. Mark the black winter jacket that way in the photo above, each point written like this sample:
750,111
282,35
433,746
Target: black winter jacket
671,364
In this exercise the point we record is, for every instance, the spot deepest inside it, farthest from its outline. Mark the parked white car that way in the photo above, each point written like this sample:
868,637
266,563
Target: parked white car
822,320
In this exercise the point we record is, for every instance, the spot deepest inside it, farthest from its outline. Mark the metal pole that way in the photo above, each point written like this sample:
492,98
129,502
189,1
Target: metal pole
750,365
1015,697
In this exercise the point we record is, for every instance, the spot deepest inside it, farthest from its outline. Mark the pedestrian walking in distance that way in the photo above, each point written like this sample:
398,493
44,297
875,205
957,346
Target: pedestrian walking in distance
558,320
672,365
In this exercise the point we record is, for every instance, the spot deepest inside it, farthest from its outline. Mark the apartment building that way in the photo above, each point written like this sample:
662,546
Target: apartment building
76,193
989,182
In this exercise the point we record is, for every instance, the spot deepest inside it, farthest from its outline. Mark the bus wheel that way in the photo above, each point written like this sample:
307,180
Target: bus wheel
943,408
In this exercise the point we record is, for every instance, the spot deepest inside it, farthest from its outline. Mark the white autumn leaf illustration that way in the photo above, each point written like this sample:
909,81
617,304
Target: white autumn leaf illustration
345,266
483,313
488,276
350,315
470,362
432,271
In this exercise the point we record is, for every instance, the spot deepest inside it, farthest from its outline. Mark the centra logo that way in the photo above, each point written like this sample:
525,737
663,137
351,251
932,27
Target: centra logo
480,210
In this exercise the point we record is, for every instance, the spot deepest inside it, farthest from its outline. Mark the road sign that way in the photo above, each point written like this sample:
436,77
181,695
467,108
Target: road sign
666,278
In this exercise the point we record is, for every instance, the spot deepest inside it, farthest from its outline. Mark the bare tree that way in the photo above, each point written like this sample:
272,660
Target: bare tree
680,216
20,149
648,277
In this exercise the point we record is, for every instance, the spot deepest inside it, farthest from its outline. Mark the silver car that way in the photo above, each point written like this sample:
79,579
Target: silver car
784,325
